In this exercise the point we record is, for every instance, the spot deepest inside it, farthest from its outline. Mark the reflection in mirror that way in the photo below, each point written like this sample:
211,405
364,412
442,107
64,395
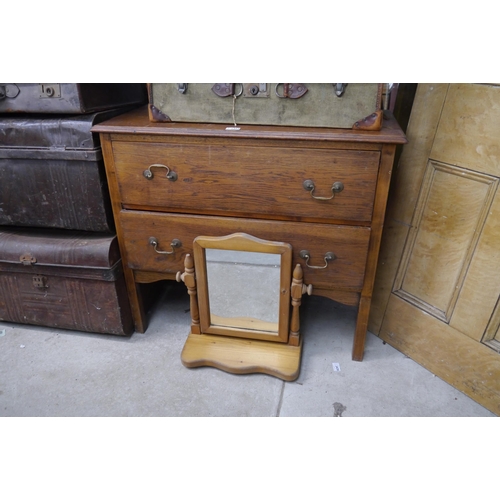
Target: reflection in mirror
244,289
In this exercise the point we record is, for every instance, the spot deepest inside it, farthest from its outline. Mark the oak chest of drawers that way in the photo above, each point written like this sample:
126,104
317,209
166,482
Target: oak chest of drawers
323,191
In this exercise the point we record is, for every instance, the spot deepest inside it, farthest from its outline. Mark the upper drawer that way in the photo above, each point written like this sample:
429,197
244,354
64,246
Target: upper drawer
254,180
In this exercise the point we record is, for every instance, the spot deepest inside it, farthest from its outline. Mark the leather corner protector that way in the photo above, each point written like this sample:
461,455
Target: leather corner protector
372,122
155,115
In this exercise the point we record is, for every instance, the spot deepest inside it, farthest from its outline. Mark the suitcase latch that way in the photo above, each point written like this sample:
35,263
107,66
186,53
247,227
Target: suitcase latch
256,90
40,282
339,89
27,259
49,90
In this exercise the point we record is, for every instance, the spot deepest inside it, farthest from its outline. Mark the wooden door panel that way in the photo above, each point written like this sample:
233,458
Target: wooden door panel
481,287
469,128
411,169
469,366
449,216
437,291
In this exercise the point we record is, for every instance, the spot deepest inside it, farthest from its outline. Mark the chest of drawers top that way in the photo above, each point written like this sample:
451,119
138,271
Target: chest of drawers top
137,124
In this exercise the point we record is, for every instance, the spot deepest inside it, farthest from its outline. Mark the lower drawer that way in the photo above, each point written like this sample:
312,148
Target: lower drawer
348,243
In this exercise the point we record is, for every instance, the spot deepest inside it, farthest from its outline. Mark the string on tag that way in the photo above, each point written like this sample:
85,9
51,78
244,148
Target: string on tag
234,104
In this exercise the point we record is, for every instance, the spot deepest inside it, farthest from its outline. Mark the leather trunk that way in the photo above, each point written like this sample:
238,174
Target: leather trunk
52,172
352,105
63,279
72,98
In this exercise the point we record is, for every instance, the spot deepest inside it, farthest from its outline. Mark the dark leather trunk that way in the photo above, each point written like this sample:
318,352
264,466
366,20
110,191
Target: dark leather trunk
69,98
52,173
63,279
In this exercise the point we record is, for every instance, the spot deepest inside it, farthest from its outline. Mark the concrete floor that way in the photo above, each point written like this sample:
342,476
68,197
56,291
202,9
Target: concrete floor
49,372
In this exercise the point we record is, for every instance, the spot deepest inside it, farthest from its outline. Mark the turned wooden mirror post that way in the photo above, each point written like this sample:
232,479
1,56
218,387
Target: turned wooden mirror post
298,289
189,279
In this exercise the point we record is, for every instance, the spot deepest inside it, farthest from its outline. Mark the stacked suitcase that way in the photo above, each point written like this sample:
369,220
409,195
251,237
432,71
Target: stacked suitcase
60,264
339,105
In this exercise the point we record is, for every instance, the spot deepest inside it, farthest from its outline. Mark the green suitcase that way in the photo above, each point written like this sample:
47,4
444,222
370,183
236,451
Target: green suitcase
337,105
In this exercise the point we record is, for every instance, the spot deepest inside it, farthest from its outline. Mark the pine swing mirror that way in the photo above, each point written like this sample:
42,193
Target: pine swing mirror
241,294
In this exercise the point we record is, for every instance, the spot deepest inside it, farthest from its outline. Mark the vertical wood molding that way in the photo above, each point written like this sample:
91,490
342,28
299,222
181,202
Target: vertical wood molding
492,334
422,126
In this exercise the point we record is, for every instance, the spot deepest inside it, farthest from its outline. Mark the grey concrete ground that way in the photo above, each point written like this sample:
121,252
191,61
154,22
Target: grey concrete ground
49,372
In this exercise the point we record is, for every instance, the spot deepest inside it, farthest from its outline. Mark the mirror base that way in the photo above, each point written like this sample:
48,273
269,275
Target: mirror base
241,356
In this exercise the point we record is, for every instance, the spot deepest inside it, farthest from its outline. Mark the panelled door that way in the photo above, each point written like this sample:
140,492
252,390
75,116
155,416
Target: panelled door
437,290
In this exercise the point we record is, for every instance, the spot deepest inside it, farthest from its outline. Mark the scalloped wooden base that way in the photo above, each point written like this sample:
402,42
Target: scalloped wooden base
240,356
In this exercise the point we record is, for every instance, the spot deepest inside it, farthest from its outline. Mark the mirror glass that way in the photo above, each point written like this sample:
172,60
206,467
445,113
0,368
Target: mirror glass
243,289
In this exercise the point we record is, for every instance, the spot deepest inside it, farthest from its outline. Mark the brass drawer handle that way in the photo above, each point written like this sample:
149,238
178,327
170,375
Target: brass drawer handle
336,188
172,176
304,254
175,244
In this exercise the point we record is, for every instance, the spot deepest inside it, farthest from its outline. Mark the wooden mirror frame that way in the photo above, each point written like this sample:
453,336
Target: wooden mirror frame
239,350
245,243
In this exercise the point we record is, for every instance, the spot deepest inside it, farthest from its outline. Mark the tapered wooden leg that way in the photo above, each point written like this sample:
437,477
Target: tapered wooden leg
386,164
136,301
358,347
189,279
